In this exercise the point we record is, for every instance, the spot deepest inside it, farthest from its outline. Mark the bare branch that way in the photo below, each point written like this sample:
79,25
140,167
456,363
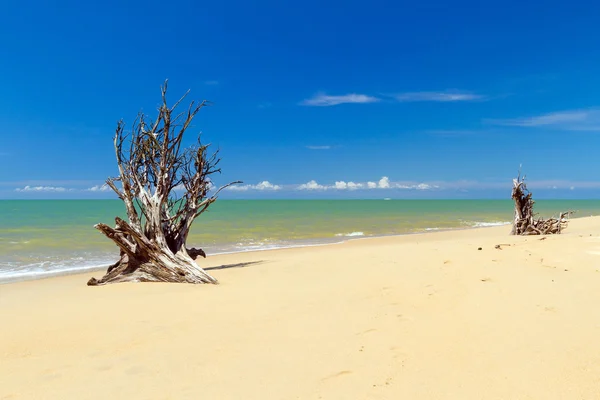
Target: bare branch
150,171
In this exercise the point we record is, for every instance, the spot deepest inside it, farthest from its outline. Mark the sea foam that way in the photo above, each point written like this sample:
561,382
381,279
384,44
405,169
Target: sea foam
485,224
351,234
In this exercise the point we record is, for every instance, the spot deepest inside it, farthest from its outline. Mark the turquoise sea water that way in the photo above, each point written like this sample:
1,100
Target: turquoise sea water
48,237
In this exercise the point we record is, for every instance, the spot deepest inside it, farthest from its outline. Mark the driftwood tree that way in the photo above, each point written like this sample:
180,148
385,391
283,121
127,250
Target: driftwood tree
164,187
524,222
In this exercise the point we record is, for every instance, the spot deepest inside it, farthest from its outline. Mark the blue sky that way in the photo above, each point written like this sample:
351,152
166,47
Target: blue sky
340,99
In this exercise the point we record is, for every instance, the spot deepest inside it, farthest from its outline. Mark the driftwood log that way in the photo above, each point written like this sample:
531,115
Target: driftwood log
153,170
525,222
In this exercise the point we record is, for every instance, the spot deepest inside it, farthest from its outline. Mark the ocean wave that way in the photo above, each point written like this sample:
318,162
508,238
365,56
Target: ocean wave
486,224
351,234
18,273
19,268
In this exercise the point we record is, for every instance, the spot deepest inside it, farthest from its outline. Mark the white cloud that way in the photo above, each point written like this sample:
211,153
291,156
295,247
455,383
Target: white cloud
384,183
445,96
324,100
341,185
549,119
312,185
41,189
318,147
99,188
264,185
239,188
571,120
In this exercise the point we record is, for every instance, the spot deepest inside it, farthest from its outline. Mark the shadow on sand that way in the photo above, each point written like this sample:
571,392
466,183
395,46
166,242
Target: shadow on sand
238,265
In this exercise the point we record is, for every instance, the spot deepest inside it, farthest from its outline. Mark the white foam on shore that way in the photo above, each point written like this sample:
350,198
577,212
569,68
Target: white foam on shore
351,234
485,224
23,273
12,272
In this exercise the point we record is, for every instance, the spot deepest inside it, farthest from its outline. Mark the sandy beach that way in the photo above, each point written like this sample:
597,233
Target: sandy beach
410,317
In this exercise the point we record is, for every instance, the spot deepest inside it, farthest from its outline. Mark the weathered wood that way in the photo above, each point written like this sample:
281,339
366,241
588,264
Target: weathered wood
524,222
152,169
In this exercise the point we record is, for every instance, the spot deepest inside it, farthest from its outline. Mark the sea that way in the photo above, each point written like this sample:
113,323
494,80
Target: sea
43,238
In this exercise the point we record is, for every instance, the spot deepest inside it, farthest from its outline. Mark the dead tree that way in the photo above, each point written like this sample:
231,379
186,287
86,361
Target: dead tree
525,222
164,187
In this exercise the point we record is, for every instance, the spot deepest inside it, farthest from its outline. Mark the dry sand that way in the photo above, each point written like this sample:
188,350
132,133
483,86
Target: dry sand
414,317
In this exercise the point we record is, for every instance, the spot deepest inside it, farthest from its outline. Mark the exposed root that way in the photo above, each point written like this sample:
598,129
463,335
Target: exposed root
525,222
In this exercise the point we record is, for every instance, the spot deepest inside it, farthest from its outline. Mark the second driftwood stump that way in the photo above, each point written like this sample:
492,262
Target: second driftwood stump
525,222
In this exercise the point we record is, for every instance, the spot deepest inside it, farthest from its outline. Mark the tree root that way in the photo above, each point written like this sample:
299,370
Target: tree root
525,223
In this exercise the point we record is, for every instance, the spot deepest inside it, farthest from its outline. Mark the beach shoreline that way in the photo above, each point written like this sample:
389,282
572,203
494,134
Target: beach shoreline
327,241
414,316
57,237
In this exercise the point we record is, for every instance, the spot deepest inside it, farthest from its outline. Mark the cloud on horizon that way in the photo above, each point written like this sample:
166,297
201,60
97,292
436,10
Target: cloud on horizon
99,188
570,120
319,147
341,185
42,189
311,185
263,186
562,184
324,100
383,183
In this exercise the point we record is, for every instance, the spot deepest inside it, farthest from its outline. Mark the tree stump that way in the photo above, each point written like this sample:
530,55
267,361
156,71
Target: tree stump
524,222
153,169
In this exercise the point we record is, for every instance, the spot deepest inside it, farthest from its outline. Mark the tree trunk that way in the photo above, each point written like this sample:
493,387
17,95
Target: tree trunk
524,222
143,260
152,168
523,207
